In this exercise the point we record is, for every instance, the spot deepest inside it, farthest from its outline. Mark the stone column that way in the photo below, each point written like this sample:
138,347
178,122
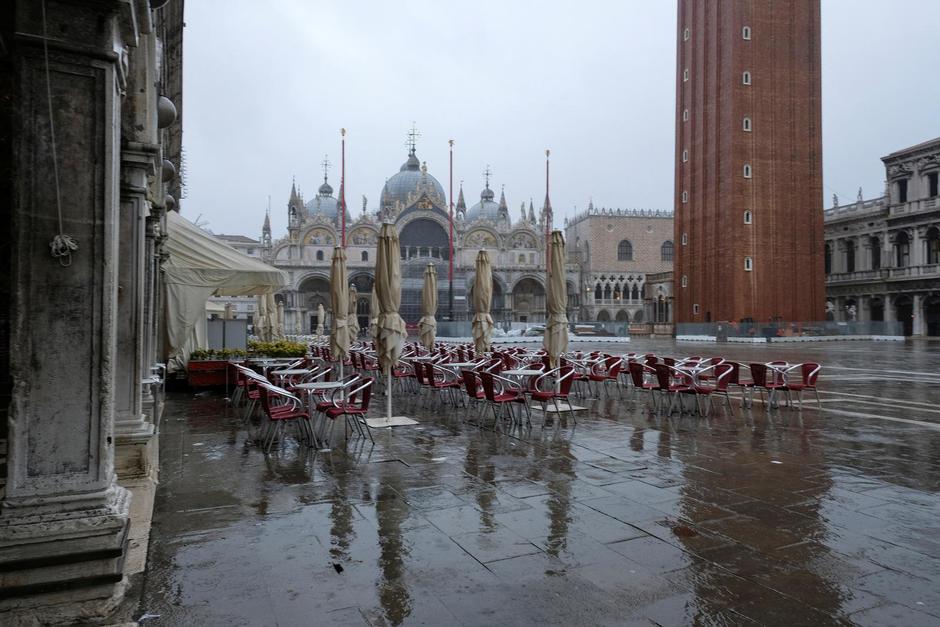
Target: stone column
864,311
63,518
918,327
133,432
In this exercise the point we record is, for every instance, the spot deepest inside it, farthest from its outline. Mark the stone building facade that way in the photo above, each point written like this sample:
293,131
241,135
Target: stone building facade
416,202
882,256
89,152
748,169
617,250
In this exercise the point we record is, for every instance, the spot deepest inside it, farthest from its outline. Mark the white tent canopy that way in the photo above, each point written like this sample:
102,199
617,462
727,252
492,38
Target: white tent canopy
201,266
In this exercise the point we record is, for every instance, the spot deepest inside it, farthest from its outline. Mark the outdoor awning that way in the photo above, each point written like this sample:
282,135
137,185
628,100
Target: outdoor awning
200,266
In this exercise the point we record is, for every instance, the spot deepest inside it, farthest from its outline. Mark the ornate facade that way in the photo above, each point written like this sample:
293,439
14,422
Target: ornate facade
882,256
416,202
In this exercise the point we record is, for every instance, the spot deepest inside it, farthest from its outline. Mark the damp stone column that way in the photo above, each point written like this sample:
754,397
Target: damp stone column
63,518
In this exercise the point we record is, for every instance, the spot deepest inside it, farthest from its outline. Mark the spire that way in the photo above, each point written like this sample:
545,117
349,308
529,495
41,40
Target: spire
294,198
590,204
461,204
413,136
531,211
503,207
522,217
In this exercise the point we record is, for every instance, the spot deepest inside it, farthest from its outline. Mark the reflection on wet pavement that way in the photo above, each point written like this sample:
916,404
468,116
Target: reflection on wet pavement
824,516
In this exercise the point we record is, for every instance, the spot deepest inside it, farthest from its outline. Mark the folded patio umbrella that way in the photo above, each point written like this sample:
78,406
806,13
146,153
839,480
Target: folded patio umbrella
374,316
555,340
391,328
261,320
482,325
339,300
352,321
427,326
271,312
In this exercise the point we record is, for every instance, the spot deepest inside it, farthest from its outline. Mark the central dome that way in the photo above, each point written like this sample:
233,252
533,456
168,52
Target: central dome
486,209
411,184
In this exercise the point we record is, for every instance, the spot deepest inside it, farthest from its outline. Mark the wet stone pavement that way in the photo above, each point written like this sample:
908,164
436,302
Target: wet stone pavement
811,517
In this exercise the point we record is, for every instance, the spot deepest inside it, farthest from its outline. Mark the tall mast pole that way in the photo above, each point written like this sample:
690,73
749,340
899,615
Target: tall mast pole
548,217
342,184
450,267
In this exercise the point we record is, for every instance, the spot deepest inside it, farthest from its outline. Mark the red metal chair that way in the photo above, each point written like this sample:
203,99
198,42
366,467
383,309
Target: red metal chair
809,373
354,409
498,395
764,383
639,375
672,382
281,407
721,374
553,385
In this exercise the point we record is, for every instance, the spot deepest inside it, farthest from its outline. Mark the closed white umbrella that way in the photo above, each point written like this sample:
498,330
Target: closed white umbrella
555,340
482,325
427,326
271,313
352,321
339,300
374,316
320,316
391,328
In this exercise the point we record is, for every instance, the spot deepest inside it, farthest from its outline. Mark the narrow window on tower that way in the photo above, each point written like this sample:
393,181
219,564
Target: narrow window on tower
685,281
685,156
685,239
685,115
685,75
748,217
695,308
746,33
748,264
686,35
746,78
685,196
746,125
747,170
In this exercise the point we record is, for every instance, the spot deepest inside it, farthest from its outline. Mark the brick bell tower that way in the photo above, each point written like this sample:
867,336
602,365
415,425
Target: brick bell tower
748,196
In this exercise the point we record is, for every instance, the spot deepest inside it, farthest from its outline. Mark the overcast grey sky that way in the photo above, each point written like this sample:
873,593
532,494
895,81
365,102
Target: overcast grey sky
268,86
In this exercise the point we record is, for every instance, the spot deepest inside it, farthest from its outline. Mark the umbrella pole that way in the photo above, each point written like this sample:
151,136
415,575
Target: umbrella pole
388,397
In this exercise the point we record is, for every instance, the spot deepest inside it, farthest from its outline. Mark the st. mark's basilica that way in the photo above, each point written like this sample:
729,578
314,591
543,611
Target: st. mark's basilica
417,204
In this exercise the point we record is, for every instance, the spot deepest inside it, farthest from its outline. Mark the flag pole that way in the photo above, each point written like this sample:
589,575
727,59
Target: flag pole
342,184
450,267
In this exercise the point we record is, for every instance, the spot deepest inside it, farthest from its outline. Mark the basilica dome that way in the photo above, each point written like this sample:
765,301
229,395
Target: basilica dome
323,203
486,209
409,185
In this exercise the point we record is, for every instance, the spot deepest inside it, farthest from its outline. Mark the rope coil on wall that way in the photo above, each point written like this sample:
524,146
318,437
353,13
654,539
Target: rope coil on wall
62,246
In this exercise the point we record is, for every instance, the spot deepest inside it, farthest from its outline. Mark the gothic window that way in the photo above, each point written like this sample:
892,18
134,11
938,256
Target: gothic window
746,33
875,253
850,256
667,250
685,196
902,248
748,217
635,293
607,292
365,255
747,170
746,125
746,78
598,294
625,251
748,264
319,255
933,245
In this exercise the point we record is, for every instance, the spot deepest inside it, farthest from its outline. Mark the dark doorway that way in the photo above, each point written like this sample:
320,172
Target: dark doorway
876,310
932,315
905,310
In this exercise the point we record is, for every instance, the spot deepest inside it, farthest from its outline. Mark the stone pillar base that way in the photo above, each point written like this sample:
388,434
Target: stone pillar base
134,453
62,560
